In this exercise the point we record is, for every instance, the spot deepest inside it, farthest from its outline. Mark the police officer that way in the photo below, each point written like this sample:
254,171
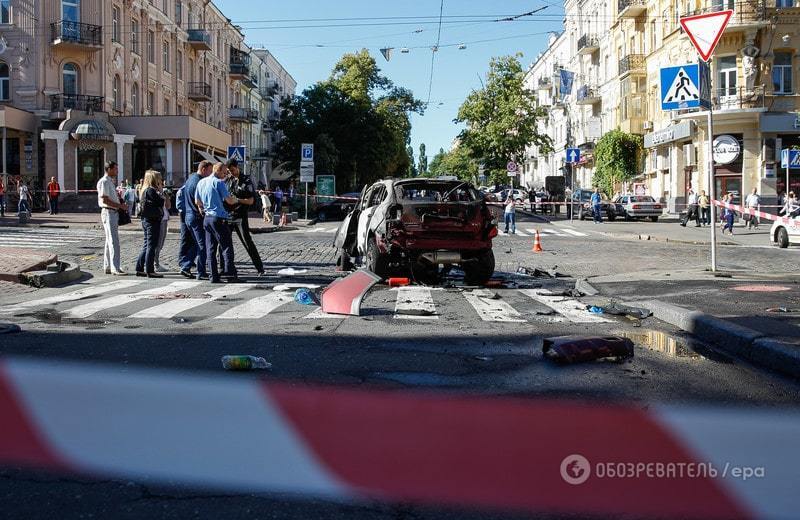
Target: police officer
241,186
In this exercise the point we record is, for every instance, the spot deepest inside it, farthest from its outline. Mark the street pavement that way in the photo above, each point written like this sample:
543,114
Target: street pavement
487,342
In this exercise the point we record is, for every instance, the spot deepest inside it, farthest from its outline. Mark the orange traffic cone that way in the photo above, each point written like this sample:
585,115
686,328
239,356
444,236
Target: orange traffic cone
537,243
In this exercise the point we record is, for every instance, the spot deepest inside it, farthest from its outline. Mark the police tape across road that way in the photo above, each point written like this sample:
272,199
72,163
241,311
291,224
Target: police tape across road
794,222
532,455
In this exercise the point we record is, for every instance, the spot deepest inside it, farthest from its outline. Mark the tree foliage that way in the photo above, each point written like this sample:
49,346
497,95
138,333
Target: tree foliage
359,121
617,157
412,167
455,162
501,119
423,161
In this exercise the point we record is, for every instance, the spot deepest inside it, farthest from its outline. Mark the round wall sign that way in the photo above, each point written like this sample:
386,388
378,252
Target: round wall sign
726,149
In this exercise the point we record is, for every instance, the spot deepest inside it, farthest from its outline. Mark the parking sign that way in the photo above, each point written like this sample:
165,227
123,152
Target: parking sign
307,152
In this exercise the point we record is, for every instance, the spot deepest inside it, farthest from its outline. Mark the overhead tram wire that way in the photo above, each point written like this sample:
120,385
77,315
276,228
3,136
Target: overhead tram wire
434,50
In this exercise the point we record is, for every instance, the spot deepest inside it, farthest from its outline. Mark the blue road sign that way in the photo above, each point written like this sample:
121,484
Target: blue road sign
684,86
790,159
237,152
307,152
573,155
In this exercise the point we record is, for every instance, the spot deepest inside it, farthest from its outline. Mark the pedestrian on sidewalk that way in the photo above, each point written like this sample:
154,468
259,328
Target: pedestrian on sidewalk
24,199
752,202
241,186
278,200
266,205
163,231
109,205
195,232
693,208
211,196
729,215
509,214
129,197
790,206
705,208
2,198
596,201
53,192
151,213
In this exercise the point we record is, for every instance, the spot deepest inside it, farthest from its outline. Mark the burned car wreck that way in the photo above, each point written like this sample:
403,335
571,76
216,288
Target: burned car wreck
419,226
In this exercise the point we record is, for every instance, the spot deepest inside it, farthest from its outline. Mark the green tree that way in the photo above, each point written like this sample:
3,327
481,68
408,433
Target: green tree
437,166
501,119
358,118
423,160
412,166
617,157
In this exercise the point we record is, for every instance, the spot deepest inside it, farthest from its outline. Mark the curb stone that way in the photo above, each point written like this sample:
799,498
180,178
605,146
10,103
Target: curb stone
742,342
67,272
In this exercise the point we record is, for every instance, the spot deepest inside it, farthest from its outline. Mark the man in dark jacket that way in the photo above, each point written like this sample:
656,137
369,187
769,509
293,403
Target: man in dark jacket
241,186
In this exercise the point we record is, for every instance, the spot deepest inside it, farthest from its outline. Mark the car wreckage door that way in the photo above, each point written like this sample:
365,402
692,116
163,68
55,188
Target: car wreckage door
346,235
372,203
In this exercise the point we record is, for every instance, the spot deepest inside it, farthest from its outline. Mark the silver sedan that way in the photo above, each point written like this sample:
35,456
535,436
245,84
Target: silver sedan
638,206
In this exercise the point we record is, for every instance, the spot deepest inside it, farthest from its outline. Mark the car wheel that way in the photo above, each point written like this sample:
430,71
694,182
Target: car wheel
344,262
627,217
581,214
375,261
480,269
612,216
782,238
322,217
653,219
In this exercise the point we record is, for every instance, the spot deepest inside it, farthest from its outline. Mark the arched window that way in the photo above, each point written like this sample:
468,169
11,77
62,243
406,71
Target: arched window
116,90
5,82
69,79
135,99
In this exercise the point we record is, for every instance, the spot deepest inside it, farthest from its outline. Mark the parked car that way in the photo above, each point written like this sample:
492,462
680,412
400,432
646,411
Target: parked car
419,224
519,195
783,234
337,209
637,206
581,203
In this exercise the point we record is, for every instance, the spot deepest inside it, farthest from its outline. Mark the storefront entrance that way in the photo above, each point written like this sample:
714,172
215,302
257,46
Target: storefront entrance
729,185
90,168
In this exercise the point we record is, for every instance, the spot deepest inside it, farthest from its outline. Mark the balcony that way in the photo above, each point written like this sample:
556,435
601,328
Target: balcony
198,91
632,64
239,65
747,14
588,44
633,114
76,36
60,103
738,99
631,8
587,95
199,39
243,115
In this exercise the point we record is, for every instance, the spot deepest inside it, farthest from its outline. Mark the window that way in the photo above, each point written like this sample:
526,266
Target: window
727,76
179,65
135,99
5,82
5,11
179,13
69,79
115,24
151,103
784,3
116,93
165,6
71,10
151,46
166,107
135,36
165,55
782,73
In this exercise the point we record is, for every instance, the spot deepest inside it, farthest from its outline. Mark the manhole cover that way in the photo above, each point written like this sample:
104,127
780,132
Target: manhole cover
761,288
9,328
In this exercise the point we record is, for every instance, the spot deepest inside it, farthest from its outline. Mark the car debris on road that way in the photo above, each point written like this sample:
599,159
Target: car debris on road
567,350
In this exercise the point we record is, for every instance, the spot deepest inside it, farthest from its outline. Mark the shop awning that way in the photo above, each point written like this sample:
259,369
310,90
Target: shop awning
207,156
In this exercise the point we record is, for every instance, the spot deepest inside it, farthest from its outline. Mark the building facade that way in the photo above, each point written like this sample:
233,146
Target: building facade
150,84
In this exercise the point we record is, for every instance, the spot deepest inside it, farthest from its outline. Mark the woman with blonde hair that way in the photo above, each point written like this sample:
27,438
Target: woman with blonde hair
152,213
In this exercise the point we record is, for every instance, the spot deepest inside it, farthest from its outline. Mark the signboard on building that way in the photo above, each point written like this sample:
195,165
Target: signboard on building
573,155
306,172
326,187
672,133
594,128
726,149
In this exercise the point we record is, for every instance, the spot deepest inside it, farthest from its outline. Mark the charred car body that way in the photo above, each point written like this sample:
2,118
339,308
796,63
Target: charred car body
418,225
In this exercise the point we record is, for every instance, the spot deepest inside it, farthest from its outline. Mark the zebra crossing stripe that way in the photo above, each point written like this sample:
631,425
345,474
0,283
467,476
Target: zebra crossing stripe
492,310
172,308
80,294
570,308
258,307
86,310
42,240
574,233
415,299
320,315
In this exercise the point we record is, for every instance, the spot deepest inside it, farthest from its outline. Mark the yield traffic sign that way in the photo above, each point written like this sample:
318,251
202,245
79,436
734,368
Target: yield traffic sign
705,30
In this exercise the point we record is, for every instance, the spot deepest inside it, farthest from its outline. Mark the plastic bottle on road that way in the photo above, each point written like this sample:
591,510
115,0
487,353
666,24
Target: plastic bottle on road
305,296
244,362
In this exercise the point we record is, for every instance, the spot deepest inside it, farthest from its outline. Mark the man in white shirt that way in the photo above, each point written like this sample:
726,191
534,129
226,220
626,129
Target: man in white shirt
753,201
693,211
109,203
24,199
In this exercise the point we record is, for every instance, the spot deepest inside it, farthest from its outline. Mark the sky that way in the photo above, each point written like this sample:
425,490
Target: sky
291,31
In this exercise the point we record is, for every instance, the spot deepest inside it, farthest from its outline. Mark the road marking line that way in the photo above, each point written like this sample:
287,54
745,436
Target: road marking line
492,310
502,233
574,233
14,245
256,308
175,307
415,299
522,233
86,310
80,294
570,308
319,315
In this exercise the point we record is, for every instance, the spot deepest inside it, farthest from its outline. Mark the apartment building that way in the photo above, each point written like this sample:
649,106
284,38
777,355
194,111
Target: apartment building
149,84
617,49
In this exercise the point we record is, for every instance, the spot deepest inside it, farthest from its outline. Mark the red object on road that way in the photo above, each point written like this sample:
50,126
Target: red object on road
344,295
537,243
579,349
399,282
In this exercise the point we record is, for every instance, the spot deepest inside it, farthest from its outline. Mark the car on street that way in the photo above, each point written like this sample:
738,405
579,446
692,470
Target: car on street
783,234
582,206
337,209
419,225
632,207
519,195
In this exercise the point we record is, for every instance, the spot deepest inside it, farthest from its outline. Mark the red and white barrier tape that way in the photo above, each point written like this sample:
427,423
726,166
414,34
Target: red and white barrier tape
346,444
794,222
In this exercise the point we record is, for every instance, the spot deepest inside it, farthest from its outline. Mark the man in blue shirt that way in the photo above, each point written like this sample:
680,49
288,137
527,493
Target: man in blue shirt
596,208
210,197
193,236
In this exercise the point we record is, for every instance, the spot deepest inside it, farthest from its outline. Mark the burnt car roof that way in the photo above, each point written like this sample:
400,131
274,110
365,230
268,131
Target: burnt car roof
431,181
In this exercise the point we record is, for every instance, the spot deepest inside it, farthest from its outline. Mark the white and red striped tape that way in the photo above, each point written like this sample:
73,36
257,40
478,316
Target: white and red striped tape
348,444
794,222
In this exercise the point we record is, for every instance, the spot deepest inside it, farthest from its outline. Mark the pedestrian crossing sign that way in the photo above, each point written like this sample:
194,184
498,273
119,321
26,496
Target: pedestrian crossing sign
237,152
790,159
682,87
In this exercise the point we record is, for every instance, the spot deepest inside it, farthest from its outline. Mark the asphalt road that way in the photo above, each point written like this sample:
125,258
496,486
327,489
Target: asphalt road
484,343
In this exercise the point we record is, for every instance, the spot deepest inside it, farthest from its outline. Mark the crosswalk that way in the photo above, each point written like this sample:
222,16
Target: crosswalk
135,300
40,238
